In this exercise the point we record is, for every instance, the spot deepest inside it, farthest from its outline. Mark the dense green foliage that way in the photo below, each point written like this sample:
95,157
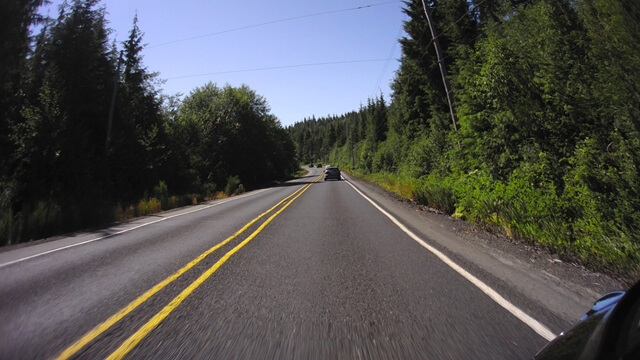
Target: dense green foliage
548,144
64,167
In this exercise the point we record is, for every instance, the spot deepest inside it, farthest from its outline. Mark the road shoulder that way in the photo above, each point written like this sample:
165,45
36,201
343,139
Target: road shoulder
19,252
557,292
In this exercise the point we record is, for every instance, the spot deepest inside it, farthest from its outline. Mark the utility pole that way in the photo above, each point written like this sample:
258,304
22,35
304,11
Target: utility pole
113,104
443,69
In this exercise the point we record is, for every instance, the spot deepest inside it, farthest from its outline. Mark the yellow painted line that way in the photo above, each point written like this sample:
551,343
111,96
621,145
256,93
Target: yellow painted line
145,329
98,330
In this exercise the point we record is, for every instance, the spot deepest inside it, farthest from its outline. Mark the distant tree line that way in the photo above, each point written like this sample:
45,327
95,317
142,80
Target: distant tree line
547,94
58,170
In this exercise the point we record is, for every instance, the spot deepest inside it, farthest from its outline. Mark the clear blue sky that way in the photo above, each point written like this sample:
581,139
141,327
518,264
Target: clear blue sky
292,93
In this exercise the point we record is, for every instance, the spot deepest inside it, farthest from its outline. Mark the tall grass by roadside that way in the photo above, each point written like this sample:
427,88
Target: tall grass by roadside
301,171
47,217
401,185
153,205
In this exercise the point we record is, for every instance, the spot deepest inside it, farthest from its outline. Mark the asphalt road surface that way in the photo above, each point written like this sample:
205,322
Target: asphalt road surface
323,274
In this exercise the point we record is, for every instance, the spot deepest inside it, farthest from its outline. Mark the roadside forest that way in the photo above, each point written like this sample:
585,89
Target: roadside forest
546,146
64,165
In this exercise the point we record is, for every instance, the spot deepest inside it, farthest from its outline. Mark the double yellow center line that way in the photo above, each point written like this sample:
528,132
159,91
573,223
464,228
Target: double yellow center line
134,339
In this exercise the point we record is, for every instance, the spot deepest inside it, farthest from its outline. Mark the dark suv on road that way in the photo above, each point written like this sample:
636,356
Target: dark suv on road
331,172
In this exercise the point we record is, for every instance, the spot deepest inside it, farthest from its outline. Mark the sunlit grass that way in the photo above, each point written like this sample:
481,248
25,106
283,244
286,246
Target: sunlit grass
301,171
403,186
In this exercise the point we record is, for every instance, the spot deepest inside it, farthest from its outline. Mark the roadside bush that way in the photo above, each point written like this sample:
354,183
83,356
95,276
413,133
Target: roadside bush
366,156
7,227
602,201
43,220
385,158
477,197
161,192
401,185
146,207
209,189
173,202
233,182
532,209
437,193
418,161
123,213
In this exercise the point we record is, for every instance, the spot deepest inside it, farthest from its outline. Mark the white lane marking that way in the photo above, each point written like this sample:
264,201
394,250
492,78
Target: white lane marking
130,229
521,315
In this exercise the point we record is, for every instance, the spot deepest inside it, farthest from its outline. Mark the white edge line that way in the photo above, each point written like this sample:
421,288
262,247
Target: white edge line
521,315
130,229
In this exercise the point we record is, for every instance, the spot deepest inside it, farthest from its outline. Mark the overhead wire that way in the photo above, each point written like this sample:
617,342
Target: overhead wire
469,41
435,66
389,57
278,67
429,71
456,22
443,32
270,22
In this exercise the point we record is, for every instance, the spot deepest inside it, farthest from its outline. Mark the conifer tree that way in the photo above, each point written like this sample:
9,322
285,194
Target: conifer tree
139,136
15,19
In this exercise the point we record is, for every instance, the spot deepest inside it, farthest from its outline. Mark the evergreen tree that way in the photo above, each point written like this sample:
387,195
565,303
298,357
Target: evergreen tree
418,88
494,10
520,99
78,69
139,139
15,19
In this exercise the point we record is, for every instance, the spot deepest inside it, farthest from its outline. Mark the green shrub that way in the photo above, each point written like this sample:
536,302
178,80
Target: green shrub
418,161
146,207
161,192
6,227
123,213
366,157
233,182
44,220
477,196
531,208
437,193
174,202
385,158
209,189
401,185
601,200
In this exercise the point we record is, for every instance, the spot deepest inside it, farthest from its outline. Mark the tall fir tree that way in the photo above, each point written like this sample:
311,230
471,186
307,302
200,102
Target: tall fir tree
138,148
16,17
77,68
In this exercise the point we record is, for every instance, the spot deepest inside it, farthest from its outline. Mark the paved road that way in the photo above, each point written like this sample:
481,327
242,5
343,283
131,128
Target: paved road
325,274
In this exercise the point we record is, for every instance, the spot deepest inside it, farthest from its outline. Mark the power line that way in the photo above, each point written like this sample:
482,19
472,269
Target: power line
457,21
468,42
422,56
270,22
443,68
386,64
429,71
278,67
